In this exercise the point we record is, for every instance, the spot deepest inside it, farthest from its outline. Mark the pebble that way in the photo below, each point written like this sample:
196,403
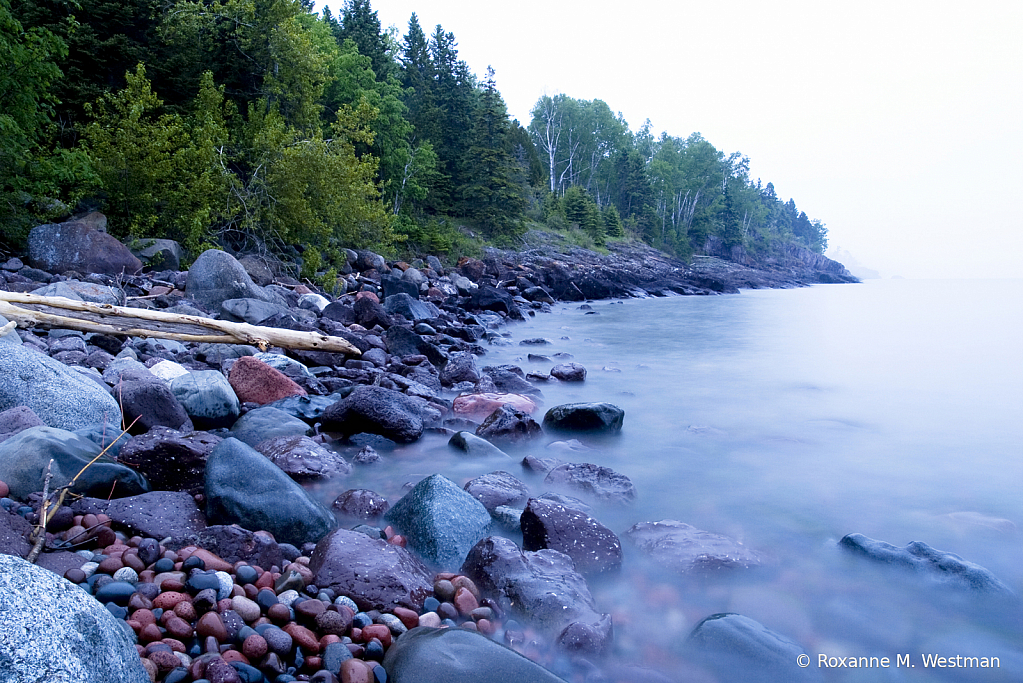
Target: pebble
346,602
246,609
126,574
226,585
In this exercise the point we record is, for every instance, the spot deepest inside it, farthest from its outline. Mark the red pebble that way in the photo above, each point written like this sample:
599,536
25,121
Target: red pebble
378,631
234,656
4,490
150,633
397,540
168,599
484,626
407,616
328,639
173,644
212,561
223,605
186,610
465,601
254,647
265,580
143,616
303,637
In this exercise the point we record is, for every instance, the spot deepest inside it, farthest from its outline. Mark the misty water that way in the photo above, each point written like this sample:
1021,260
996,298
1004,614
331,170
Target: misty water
787,419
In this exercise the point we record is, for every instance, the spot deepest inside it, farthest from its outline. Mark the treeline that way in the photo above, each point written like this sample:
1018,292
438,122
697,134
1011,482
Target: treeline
260,125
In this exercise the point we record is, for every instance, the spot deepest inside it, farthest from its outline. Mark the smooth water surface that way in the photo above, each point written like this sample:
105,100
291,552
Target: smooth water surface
787,419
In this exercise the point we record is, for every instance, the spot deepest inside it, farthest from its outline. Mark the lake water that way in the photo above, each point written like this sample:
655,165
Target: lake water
787,419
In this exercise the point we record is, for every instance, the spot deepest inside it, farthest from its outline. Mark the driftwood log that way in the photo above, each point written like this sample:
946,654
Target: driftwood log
60,312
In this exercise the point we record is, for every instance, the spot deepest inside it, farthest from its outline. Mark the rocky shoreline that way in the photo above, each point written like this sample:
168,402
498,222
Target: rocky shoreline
192,529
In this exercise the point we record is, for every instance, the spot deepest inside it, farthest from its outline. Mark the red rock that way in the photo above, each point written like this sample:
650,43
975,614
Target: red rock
255,381
265,580
171,583
368,295
303,637
313,663
224,605
466,582
328,639
480,406
279,613
147,576
398,540
138,601
213,562
132,560
150,633
219,671
210,624
151,669
5,490
143,616
168,599
486,626
165,661
234,656
179,628
407,616
110,565
309,609
186,610
356,671
378,631
465,602
254,647
174,644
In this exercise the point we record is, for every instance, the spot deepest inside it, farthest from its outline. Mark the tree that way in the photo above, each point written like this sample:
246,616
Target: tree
359,23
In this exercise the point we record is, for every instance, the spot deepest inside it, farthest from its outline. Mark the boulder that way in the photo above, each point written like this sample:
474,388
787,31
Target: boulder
232,543
243,487
474,446
216,276
937,565
83,291
17,420
207,397
58,395
170,460
592,546
252,311
541,587
585,417
461,367
509,379
393,285
508,425
601,483
684,549
440,521
376,410
404,342
256,382
492,299
150,404
158,254
455,655
59,247
738,649
111,440
307,408
369,313
361,504
480,406
11,336
569,372
53,630
302,458
409,307
372,572
496,489
157,514
24,457
267,423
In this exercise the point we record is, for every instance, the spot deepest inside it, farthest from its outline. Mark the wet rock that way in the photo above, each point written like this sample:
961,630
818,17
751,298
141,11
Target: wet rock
683,548
509,379
496,489
739,649
54,630
243,487
429,655
208,398
234,544
216,276
257,312
592,546
361,504
58,395
474,446
601,483
937,565
461,367
372,572
585,417
492,299
170,460
440,521
508,425
75,245
302,458
407,305
404,342
267,423
479,406
16,420
542,587
24,458
569,372
150,404
376,410
157,514
256,382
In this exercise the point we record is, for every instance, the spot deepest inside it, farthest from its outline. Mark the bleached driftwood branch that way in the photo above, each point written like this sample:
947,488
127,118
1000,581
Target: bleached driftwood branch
63,313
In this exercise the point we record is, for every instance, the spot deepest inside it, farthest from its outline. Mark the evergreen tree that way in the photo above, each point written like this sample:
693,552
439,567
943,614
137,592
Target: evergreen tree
359,23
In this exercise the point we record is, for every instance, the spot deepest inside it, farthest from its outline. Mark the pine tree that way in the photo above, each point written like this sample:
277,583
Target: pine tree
359,23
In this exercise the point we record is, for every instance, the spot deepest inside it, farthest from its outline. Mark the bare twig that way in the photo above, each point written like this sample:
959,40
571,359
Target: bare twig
39,535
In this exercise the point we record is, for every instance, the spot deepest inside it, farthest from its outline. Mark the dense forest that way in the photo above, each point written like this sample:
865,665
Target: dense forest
260,125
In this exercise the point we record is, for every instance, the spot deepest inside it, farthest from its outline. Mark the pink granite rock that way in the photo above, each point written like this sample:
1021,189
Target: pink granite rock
255,381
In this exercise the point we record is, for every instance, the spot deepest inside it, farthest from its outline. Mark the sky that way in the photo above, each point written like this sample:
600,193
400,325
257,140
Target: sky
898,123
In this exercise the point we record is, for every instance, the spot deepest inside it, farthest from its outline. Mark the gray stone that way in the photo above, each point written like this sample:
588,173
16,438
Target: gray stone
289,366
313,302
127,369
159,254
939,566
243,487
12,336
376,410
150,404
509,425
440,521
454,655
170,460
54,631
410,308
216,276
496,489
255,311
602,483
23,460
475,446
267,423
207,397
585,417
592,546
302,458
405,342
110,439
84,291
569,372
157,514
683,548
461,367
58,395
370,571
739,649
59,247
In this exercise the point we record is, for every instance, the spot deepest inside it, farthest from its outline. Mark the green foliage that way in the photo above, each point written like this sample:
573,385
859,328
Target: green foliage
580,210
613,227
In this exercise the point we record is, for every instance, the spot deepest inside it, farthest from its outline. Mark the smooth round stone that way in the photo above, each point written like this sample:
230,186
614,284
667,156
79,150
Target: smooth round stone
408,617
75,575
199,582
226,584
116,610
163,565
150,633
178,675
186,611
379,632
254,647
287,597
431,604
210,624
126,574
149,551
465,602
279,613
356,671
246,609
447,611
309,609
444,590
245,574
277,641
89,568
362,620
147,590
266,599
192,562
430,619
304,638
374,650
85,554
344,600
179,628
117,592
393,623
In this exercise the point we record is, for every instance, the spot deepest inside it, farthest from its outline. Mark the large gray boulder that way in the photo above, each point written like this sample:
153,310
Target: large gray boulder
684,548
216,276
376,410
158,254
739,649
592,546
11,337
409,307
24,457
455,655
51,630
265,423
59,247
58,395
207,397
243,487
441,521
585,417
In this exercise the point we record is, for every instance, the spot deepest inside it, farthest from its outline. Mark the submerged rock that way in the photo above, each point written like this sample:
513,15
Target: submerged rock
943,567
683,548
474,446
506,424
497,489
376,410
602,483
740,649
585,417
592,546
